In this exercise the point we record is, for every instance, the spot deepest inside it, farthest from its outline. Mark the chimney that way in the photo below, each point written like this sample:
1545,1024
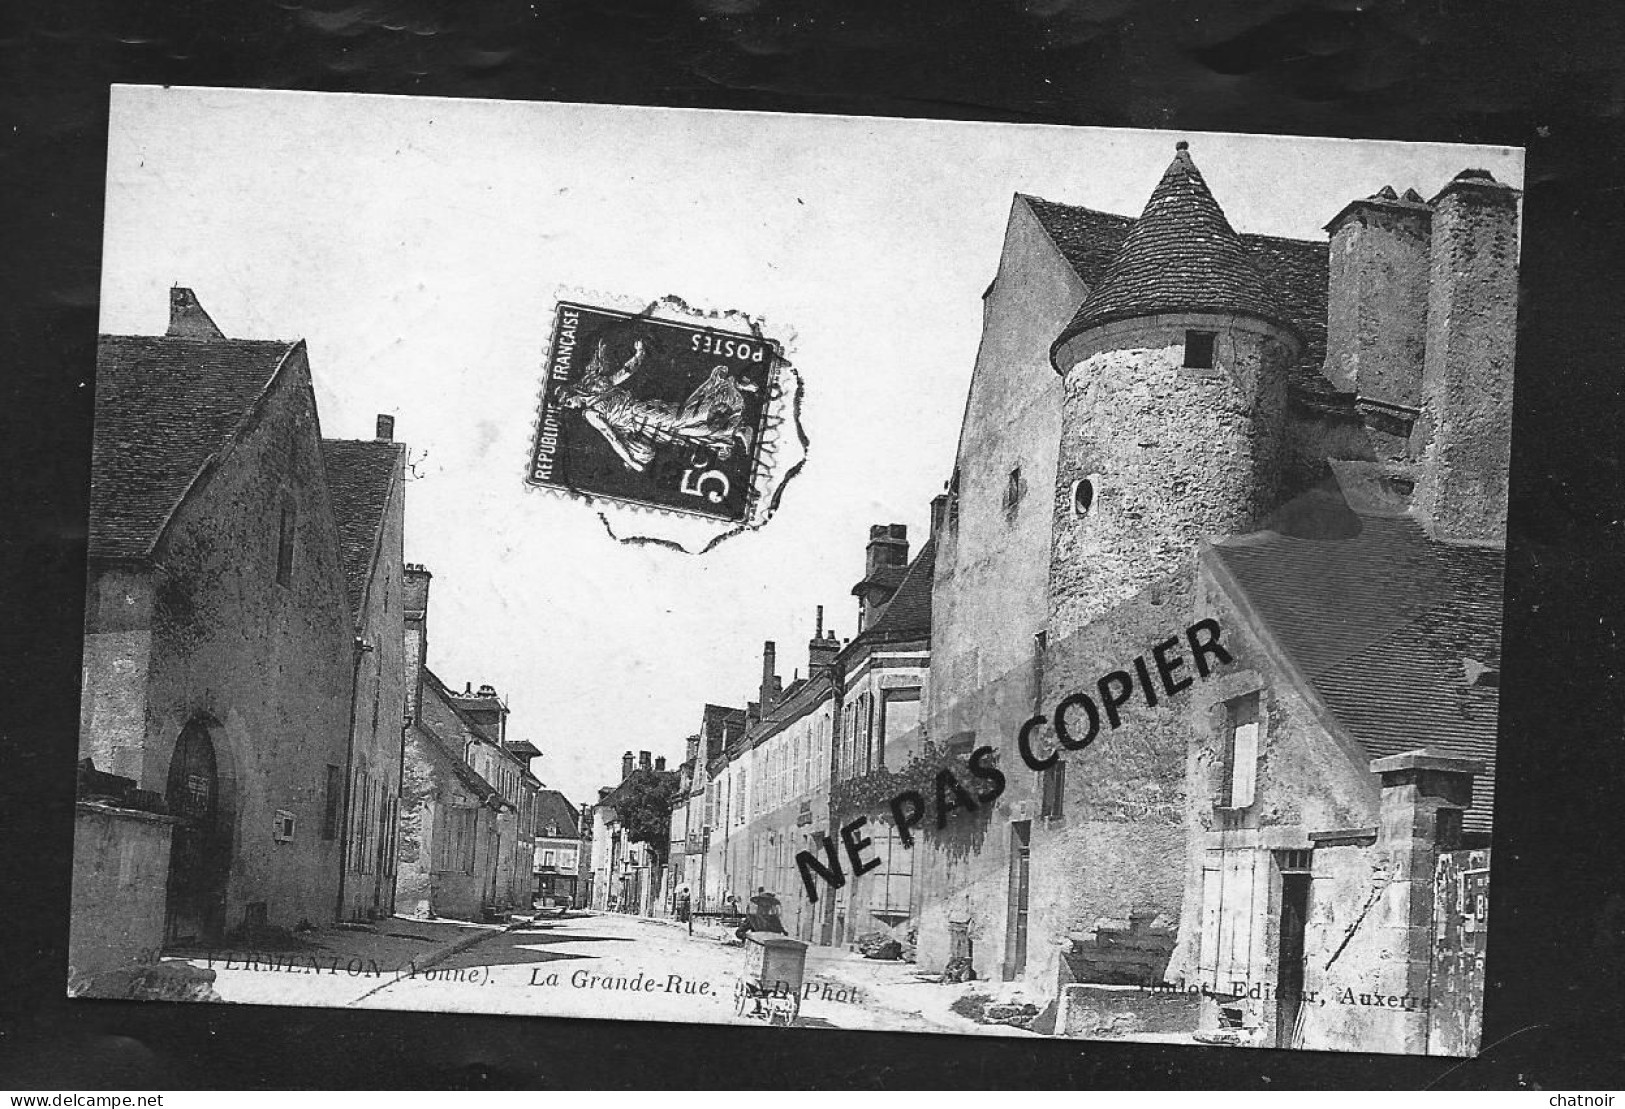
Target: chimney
1377,309
643,761
1463,437
187,319
939,514
888,546
691,749
386,428
770,677
821,652
1419,813
415,609
660,763
626,766
887,549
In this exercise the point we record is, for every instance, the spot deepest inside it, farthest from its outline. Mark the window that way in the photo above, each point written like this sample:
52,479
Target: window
1199,349
1014,488
1083,496
392,823
466,828
899,717
284,547
1240,766
282,826
550,858
1293,860
866,732
1054,790
334,798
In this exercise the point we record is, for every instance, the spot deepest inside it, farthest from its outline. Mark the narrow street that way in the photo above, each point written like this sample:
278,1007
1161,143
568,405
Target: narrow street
623,967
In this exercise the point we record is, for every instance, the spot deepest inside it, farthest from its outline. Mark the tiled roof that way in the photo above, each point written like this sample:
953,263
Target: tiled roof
471,778
908,614
1380,625
1293,270
1182,255
552,807
802,696
716,722
1297,273
887,577
359,473
1087,239
522,749
669,780
164,407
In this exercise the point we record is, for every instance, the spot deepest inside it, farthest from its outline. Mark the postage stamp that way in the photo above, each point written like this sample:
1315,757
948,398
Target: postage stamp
665,408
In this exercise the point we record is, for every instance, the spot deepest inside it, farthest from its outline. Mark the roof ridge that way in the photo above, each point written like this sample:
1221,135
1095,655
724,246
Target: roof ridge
212,459
357,504
1182,254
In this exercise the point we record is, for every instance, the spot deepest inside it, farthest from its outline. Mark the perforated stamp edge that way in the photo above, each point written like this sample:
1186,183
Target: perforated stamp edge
779,455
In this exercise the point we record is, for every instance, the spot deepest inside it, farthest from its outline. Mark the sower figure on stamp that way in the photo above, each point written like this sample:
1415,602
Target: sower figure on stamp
710,417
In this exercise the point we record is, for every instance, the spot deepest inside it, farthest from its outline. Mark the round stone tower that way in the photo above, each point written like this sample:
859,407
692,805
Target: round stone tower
1175,373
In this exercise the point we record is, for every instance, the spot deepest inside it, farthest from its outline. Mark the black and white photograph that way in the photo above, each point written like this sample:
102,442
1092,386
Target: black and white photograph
811,571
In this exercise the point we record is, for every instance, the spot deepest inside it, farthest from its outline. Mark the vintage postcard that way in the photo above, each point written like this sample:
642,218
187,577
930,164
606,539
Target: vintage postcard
796,570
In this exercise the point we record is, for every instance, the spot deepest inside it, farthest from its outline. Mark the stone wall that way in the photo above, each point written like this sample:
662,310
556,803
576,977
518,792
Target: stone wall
1173,455
118,655
267,666
1307,778
1464,434
430,790
1117,848
120,873
1377,300
380,706
990,593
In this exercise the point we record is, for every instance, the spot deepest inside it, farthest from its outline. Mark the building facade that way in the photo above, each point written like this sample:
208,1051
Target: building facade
1167,463
557,850
367,481
221,648
628,868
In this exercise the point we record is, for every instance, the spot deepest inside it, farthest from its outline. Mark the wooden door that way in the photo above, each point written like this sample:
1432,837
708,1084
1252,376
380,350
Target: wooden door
1289,968
199,854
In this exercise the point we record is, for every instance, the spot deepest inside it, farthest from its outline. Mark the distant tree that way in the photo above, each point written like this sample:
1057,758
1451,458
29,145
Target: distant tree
643,806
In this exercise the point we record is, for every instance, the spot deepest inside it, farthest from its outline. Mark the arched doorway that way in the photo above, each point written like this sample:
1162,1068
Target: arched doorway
199,854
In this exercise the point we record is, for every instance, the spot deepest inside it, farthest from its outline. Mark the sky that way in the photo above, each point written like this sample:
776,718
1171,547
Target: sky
418,246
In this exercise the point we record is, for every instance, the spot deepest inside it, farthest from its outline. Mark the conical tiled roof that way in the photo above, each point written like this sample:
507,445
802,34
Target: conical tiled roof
1181,256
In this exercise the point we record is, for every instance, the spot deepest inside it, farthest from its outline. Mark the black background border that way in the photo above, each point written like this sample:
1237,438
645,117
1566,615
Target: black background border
1543,76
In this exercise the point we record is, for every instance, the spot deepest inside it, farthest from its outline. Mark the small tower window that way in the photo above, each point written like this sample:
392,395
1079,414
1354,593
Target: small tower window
1199,349
1083,496
1014,488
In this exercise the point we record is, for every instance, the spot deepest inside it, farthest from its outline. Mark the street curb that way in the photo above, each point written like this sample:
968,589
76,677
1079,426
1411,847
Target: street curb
446,951
441,954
